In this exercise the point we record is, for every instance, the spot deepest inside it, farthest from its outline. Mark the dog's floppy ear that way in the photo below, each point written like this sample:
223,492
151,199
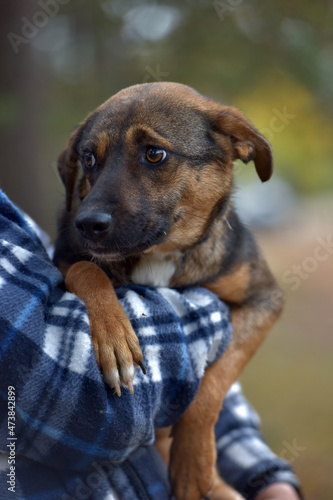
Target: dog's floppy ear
248,144
68,165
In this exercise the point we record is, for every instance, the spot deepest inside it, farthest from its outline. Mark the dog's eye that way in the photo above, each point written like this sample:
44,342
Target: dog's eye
155,155
89,160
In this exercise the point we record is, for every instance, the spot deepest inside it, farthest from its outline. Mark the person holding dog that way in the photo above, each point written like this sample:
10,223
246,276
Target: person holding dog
68,435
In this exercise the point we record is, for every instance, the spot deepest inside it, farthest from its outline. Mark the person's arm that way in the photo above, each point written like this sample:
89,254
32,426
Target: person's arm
65,416
244,459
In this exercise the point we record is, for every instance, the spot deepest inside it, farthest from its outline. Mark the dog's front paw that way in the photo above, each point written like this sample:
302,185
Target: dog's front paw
116,346
117,349
192,463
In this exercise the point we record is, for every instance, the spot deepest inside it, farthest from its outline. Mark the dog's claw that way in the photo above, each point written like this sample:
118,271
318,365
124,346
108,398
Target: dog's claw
117,389
130,386
142,366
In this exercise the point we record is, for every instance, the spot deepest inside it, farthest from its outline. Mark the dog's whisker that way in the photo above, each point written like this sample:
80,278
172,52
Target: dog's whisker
228,224
209,184
191,214
148,262
188,224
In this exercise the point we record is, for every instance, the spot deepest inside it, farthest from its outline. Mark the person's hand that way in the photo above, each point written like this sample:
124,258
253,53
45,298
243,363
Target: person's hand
278,491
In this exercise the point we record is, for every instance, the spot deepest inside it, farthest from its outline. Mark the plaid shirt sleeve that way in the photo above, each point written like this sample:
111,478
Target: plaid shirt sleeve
72,437
243,458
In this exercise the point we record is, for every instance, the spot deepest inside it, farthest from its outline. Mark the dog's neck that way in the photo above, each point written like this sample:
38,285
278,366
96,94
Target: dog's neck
156,269
193,266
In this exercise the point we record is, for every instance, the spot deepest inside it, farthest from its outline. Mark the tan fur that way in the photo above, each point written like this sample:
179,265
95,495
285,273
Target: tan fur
149,132
163,442
192,218
232,287
84,188
102,144
106,315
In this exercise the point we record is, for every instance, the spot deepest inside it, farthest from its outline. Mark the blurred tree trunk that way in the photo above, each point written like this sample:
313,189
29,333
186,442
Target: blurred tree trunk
21,175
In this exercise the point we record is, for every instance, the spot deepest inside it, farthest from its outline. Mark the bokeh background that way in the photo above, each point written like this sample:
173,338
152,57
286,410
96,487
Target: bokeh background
274,60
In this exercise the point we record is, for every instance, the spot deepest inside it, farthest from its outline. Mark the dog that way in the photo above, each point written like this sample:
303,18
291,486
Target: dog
154,207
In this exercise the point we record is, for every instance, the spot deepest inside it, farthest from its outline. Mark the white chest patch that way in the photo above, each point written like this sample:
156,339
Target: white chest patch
154,270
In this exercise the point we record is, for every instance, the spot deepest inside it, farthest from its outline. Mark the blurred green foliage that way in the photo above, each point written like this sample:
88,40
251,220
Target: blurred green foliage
271,59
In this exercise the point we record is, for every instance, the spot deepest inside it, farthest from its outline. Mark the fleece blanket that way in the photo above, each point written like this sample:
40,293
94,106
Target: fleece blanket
64,434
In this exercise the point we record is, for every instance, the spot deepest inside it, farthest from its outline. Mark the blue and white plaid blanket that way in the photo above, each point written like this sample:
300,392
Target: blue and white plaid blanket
63,433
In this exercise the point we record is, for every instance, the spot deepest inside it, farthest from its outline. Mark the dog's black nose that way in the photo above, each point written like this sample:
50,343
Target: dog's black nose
93,226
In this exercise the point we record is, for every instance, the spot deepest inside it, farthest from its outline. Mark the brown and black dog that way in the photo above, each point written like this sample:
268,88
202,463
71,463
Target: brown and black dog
154,207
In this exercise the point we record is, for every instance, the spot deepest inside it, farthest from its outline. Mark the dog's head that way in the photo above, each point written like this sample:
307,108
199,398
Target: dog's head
157,163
